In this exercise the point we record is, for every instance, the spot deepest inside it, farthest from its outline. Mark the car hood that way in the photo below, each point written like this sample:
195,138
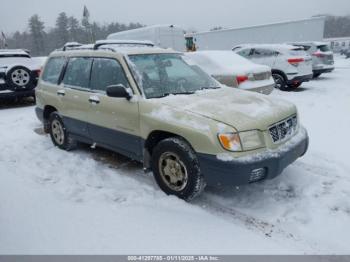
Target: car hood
240,109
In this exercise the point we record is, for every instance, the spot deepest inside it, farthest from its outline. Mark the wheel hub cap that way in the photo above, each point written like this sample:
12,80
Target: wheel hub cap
20,77
173,171
57,132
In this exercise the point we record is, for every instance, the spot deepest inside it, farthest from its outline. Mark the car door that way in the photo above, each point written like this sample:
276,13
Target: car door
75,93
113,122
263,57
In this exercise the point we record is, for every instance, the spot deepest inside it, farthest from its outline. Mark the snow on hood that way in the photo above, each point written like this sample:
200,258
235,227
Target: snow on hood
239,109
225,62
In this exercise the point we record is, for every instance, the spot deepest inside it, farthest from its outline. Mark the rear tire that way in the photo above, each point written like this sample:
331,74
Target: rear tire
316,75
294,86
280,82
176,169
59,135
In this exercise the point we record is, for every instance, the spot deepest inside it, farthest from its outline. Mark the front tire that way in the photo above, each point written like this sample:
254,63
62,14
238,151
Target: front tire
176,169
59,135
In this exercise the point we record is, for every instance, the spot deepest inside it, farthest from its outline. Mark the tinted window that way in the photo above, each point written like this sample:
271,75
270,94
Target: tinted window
106,72
323,48
262,53
244,53
53,69
78,72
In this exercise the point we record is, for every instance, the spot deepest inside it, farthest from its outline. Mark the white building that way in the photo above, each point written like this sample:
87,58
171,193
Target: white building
339,43
292,31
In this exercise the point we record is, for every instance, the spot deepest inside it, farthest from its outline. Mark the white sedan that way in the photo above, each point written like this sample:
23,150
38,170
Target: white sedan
233,70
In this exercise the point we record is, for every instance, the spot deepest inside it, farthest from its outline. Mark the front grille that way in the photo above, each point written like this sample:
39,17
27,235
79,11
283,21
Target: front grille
262,76
283,130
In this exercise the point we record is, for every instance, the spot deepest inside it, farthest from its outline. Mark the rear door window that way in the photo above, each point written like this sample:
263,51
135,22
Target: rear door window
53,69
78,72
107,72
245,52
323,48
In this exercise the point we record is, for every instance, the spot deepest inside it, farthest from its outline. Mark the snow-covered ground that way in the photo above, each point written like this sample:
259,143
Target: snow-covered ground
96,202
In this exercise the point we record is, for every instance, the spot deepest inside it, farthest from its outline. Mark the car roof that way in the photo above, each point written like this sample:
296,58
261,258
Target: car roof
13,52
111,50
281,47
310,43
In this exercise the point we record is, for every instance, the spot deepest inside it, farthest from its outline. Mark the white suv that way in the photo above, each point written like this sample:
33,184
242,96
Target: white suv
291,65
322,56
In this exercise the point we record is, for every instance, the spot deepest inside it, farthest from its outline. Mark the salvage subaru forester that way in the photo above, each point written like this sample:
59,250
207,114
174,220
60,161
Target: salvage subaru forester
152,105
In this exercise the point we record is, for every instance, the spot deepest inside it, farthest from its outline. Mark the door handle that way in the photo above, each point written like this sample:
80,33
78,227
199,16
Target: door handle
61,92
94,100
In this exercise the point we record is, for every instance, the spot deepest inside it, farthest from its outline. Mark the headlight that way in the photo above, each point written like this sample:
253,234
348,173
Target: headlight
242,141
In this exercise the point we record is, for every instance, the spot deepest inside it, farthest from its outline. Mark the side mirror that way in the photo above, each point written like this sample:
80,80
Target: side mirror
118,91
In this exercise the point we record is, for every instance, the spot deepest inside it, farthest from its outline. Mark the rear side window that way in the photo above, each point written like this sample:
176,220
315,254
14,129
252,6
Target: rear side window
244,52
107,72
323,48
262,52
53,69
78,72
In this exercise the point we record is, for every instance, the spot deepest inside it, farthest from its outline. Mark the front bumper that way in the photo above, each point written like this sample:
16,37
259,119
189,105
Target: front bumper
300,79
236,172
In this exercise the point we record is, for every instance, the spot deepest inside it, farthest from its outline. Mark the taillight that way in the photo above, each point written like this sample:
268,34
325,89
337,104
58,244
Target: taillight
295,60
318,54
241,79
38,72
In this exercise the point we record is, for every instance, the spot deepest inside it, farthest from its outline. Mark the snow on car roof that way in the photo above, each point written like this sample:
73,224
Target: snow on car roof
13,52
225,62
268,46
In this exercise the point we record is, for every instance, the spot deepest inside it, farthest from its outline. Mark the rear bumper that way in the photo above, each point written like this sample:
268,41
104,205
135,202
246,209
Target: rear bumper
323,70
266,90
16,94
243,171
300,79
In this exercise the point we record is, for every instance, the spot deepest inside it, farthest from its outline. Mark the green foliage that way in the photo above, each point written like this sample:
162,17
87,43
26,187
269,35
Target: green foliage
67,29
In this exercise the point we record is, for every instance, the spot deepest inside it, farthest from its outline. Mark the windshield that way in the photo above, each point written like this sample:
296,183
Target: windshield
297,52
166,74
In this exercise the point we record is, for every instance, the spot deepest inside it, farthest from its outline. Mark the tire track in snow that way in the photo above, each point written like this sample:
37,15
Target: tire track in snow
252,223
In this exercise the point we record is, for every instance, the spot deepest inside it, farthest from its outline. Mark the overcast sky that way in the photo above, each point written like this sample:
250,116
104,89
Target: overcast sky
198,14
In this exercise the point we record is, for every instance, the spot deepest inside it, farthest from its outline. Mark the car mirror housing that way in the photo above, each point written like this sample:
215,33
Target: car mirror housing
118,91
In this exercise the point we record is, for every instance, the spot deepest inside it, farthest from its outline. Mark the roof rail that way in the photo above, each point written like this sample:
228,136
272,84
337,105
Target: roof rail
71,45
122,42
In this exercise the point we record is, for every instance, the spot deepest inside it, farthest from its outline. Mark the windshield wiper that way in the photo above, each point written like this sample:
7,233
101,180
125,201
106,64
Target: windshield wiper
180,93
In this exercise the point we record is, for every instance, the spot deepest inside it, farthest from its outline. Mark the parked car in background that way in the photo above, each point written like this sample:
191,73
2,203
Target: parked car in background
346,52
291,66
322,56
149,104
235,71
18,74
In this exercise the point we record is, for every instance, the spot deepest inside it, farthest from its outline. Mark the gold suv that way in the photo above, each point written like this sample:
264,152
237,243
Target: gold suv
148,104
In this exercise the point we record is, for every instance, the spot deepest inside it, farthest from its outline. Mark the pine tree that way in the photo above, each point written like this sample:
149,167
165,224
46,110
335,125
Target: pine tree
62,32
36,29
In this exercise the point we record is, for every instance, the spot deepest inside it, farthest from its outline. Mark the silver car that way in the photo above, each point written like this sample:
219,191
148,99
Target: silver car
322,57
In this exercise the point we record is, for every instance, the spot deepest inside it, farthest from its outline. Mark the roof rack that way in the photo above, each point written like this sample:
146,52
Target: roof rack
71,45
100,43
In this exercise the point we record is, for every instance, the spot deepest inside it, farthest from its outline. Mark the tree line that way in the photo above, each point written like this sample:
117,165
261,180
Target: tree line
41,41
337,26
